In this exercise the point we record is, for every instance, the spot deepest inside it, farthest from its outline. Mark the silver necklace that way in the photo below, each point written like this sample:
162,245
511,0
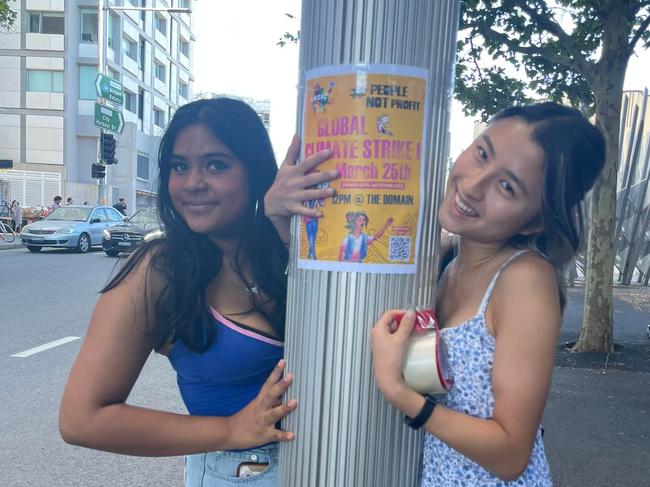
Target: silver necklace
251,289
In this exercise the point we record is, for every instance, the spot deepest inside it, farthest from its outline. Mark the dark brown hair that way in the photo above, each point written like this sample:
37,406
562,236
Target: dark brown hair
188,260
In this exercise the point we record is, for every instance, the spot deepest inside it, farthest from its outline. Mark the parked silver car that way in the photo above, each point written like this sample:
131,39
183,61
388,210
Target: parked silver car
74,227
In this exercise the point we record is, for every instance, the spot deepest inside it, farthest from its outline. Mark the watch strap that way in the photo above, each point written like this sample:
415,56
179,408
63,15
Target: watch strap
424,414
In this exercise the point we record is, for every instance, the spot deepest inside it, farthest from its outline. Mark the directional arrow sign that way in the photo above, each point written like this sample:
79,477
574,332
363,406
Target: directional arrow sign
109,89
108,118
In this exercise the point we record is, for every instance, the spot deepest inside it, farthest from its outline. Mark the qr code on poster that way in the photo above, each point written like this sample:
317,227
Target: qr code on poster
399,248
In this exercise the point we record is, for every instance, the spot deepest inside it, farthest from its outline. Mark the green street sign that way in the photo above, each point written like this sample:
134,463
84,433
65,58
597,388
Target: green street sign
109,89
108,119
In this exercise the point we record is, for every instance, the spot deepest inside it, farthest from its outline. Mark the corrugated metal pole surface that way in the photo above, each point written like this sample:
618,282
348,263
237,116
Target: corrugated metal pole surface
347,435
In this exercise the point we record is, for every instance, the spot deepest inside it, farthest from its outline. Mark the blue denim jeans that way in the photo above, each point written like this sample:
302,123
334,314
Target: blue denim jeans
219,468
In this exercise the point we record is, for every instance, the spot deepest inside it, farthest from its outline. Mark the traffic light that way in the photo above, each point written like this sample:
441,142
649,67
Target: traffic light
107,148
98,171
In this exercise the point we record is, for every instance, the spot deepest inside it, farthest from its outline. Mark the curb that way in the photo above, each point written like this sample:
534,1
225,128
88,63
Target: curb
9,246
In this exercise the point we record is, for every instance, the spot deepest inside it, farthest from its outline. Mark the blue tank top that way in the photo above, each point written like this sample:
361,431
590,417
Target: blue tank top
229,374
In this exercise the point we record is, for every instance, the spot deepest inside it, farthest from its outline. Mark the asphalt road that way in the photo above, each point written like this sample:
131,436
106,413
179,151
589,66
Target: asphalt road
46,297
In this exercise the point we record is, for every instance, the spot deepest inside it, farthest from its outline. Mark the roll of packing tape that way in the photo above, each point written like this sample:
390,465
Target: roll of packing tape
425,368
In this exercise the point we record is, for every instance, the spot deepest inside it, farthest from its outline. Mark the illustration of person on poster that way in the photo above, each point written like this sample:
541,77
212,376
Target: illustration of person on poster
354,246
372,120
311,224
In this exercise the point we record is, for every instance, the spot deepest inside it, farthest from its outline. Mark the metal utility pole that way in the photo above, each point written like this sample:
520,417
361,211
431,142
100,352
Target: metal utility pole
347,435
102,197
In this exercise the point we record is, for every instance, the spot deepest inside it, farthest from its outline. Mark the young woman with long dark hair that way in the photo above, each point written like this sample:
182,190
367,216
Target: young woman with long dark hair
513,203
210,295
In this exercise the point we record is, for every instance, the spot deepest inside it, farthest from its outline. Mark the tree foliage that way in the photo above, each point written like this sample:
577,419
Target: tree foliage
576,51
568,50
553,45
7,16
289,37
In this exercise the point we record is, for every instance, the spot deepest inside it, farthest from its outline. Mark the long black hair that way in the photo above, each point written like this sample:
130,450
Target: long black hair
574,156
187,260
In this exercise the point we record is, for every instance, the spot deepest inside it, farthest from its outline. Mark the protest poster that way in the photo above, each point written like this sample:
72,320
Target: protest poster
372,118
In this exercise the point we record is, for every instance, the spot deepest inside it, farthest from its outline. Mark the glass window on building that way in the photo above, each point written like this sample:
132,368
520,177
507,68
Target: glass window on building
46,23
130,48
143,167
184,47
44,81
171,35
183,90
184,3
266,119
113,74
143,50
112,30
158,118
87,77
89,25
161,24
35,23
160,72
141,104
130,102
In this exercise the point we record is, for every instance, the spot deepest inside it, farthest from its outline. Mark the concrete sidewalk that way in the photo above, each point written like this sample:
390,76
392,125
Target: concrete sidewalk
597,419
16,244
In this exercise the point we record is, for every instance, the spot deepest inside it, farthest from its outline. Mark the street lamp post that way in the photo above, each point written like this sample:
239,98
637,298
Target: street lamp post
102,9
347,434
101,68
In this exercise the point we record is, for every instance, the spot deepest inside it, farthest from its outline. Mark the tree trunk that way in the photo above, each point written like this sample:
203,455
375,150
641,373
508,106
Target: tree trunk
596,334
597,330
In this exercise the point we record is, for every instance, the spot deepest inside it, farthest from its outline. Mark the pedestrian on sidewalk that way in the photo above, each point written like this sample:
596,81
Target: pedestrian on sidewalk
120,206
16,216
69,201
211,296
57,203
513,203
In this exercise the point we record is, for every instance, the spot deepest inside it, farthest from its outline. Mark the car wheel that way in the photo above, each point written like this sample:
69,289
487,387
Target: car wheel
84,243
33,248
112,253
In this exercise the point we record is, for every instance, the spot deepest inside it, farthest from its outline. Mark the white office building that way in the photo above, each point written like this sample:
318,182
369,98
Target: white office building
48,66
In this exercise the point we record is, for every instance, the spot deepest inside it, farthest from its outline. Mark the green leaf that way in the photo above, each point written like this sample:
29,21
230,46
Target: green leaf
7,16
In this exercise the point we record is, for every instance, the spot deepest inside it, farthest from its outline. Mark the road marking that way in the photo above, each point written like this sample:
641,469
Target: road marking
46,346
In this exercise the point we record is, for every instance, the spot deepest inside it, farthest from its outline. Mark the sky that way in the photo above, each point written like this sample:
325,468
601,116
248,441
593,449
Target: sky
236,53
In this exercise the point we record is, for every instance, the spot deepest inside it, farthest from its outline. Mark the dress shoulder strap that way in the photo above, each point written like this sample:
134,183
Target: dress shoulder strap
490,288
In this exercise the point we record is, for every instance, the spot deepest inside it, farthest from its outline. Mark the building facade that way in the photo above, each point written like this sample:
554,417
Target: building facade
261,106
48,67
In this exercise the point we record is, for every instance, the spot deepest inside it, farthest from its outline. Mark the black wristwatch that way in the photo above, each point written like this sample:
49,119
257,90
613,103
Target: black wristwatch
424,414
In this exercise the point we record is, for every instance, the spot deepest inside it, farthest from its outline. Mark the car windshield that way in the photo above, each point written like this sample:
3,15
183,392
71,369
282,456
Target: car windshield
69,214
148,215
